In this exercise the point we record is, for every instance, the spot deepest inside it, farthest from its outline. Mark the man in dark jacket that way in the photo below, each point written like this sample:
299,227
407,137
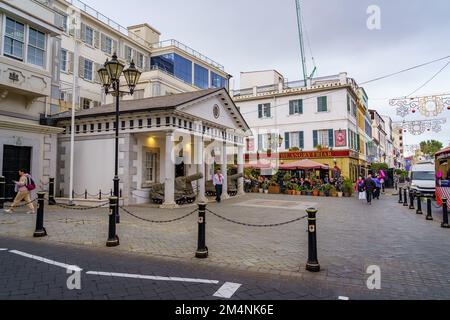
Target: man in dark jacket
370,186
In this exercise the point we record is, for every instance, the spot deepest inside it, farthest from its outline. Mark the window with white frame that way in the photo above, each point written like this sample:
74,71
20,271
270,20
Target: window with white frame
296,107
264,110
89,35
14,39
128,54
63,60
36,47
140,60
88,69
323,137
150,167
107,44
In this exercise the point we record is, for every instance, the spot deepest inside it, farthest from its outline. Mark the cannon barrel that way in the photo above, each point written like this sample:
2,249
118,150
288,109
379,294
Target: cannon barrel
194,177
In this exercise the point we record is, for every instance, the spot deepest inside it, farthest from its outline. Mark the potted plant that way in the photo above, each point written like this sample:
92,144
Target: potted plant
308,192
347,188
316,192
265,187
333,192
303,190
322,191
327,190
339,184
274,187
261,188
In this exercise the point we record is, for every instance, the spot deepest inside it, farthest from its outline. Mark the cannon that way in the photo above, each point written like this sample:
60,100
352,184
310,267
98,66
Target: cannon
232,185
184,193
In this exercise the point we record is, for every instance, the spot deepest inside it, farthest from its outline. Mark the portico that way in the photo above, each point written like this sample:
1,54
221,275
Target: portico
161,139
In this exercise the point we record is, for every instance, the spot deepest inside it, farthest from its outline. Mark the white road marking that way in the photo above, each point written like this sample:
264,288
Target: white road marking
156,278
344,298
227,290
54,263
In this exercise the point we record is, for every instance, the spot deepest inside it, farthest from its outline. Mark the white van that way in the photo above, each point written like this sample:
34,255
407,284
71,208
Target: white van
422,178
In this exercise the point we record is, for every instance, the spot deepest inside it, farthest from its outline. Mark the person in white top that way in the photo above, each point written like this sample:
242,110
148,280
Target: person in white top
218,181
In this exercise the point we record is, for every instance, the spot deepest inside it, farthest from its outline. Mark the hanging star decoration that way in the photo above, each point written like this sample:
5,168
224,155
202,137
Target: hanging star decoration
419,127
428,106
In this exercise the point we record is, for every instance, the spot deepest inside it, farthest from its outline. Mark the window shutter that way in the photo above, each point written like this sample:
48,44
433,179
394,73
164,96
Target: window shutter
286,141
291,107
97,39
81,67
260,111
97,66
300,106
269,113
315,138
301,138
103,42
260,142
331,138
83,32
70,62
115,47
358,141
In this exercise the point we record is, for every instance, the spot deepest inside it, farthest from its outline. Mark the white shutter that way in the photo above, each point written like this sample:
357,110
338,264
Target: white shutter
97,39
81,67
70,62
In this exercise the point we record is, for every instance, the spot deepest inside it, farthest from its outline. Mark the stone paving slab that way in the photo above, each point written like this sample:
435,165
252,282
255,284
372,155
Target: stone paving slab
410,251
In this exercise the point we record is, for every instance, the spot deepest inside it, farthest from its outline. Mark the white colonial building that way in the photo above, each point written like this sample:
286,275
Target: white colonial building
30,36
292,121
188,133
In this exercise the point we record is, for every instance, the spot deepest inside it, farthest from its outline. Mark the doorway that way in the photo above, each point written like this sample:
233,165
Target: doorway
14,158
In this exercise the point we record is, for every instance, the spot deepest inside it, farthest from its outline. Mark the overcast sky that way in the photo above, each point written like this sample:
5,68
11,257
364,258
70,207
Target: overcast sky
247,35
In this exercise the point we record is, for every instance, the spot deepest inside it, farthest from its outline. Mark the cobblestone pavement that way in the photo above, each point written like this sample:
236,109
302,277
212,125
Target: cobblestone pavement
412,253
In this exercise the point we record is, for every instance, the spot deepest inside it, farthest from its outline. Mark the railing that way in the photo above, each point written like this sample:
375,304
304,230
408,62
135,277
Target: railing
157,68
187,49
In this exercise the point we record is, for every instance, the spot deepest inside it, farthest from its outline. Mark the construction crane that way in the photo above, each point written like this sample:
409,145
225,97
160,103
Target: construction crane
302,44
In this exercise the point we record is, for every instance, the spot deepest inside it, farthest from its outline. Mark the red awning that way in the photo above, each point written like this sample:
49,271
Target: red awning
304,165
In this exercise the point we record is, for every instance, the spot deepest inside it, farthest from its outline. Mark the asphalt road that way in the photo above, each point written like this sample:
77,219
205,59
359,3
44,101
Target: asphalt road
32,269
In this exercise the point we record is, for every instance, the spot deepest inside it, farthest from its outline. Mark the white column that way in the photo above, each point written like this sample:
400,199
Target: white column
224,170
169,182
200,148
240,164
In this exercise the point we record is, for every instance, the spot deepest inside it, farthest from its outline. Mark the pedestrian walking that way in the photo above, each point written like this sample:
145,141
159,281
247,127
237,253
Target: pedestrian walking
370,186
218,184
360,189
23,187
382,178
378,186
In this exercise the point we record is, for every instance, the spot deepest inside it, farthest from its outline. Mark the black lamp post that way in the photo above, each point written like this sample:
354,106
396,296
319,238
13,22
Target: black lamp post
110,75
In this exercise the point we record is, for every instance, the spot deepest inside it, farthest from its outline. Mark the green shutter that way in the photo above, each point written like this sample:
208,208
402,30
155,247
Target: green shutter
315,138
260,111
331,138
300,104
286,141
301,139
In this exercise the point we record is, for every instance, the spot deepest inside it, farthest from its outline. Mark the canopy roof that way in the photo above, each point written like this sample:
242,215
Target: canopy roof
304,165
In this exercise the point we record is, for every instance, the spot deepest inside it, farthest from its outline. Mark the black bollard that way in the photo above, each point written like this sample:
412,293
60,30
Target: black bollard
400,196
85,194
113,239
405,198
313,263
202,249
40,230
51,192
100,195
419,203
2,192
411,200
429,211
445,214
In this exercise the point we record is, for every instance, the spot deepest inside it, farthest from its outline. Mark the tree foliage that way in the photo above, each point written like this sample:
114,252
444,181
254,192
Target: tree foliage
430,147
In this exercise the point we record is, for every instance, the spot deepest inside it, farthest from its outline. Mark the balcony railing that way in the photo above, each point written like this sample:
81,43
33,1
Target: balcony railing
187,49
157,68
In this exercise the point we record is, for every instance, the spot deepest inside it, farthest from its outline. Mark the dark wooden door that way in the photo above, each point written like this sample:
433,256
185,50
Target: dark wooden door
14,158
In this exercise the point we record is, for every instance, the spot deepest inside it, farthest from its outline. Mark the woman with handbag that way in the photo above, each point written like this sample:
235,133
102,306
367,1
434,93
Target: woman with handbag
23,188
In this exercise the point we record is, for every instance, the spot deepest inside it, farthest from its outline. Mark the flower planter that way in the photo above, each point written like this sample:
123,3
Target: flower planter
261,190
340,194
274,189
347,194
322,194
266,191
315,193
334,195
303,193
298,193
309,193
291,192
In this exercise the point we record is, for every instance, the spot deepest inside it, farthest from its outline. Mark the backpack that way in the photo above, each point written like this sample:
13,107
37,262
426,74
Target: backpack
30,184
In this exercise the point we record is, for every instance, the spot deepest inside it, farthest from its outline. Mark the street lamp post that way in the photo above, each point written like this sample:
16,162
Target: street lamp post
110,75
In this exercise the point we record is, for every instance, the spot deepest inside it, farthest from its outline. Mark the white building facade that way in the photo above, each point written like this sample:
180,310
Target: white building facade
30,35
289,117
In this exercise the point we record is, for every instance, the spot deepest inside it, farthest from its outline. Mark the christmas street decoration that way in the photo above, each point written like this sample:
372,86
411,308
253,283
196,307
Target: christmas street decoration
419,127
429,106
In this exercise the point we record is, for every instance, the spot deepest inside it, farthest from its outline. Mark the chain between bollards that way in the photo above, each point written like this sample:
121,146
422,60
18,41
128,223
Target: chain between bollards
445,214
400,195
419,203
2,192
113,239
40,230
202,249
313,263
